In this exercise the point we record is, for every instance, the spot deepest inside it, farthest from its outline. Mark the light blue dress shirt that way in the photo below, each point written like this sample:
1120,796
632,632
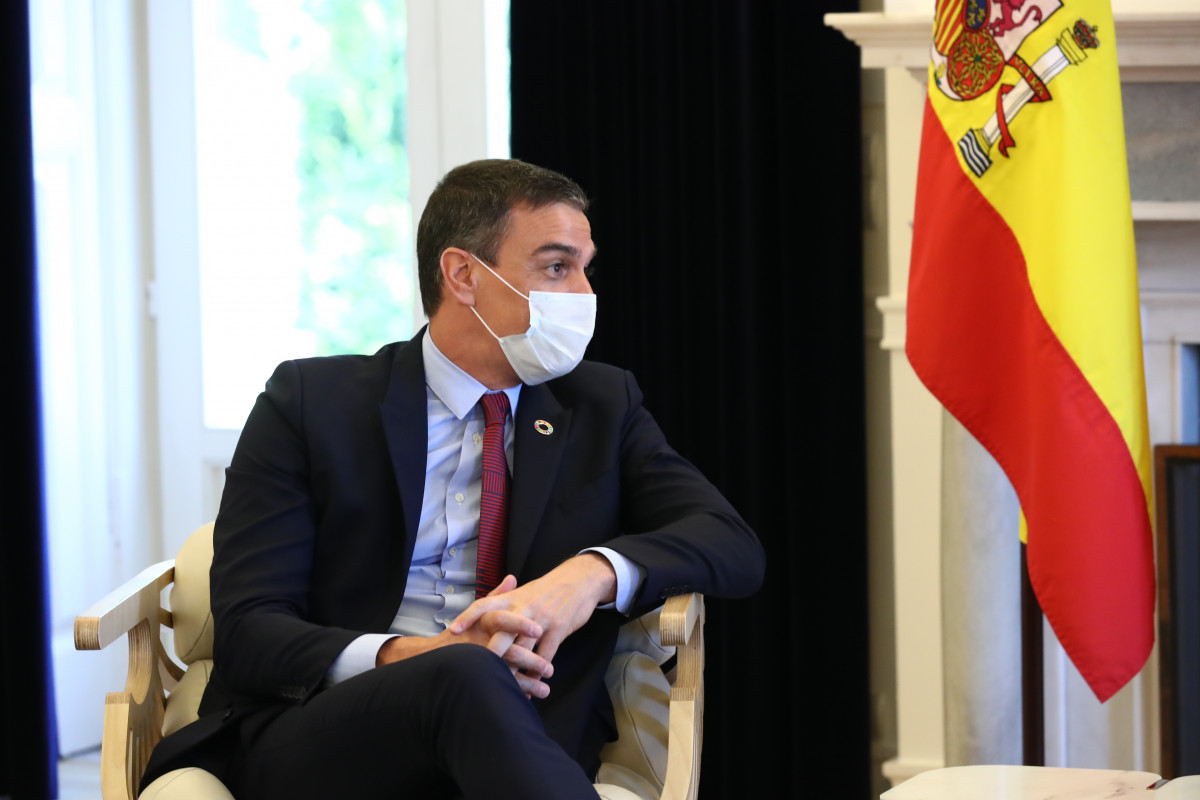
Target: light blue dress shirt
441,579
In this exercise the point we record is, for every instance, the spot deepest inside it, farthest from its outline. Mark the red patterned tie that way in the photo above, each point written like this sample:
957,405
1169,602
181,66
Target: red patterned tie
493,505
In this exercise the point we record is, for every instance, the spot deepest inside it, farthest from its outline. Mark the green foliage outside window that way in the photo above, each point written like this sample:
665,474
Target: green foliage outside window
356,291
349,79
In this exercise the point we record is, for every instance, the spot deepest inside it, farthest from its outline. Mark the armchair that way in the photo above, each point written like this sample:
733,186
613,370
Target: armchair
659,717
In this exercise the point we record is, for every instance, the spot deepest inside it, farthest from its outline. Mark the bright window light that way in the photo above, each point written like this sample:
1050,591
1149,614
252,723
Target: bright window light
302,179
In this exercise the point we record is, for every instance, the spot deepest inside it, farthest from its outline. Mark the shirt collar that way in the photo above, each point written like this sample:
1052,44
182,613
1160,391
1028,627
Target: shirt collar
454,387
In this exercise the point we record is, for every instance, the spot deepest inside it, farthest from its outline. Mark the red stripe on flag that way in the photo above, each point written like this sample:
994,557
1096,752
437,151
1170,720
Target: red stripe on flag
979,342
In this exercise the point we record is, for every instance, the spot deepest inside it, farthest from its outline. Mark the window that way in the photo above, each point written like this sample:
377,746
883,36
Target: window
292,145
305,231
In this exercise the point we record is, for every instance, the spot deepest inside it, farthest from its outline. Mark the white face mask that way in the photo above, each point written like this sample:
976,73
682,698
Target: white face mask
560,327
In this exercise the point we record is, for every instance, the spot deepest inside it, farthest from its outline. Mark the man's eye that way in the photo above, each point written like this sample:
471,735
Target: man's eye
556,269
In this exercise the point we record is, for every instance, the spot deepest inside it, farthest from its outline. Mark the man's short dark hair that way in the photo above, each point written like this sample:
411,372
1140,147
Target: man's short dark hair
470,207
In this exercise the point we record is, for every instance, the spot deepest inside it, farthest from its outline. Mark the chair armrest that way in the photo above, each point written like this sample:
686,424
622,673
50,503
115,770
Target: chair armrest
133,717
678,618
682,625
121,610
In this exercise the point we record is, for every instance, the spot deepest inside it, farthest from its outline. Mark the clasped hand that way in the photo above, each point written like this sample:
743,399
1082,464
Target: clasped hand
525,625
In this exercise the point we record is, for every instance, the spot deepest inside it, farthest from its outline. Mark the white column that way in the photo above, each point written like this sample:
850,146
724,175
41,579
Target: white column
981,604
916,439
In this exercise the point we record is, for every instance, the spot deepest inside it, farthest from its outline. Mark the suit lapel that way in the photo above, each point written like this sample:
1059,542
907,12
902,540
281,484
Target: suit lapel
406,429
536,458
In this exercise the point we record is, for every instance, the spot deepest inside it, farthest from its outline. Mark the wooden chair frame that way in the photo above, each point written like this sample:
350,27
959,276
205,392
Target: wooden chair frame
133,718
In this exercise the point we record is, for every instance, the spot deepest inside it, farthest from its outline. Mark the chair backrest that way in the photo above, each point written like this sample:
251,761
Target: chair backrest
191,615
189,597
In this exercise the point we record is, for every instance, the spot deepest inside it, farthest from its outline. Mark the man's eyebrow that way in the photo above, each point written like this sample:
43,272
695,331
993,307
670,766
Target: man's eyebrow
560,247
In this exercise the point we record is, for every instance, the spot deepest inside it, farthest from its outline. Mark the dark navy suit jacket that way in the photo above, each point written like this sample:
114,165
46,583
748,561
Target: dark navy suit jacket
320,510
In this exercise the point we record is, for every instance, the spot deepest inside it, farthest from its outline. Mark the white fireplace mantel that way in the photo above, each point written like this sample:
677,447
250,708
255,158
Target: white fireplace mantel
1153,46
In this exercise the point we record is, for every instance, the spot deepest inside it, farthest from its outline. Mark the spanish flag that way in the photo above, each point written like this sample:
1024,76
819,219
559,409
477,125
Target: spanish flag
1023,304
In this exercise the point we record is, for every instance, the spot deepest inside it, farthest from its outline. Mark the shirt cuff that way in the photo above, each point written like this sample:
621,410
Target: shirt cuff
629,578
357,658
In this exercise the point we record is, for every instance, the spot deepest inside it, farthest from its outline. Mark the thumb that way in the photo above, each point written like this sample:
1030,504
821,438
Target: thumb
507,585
480,607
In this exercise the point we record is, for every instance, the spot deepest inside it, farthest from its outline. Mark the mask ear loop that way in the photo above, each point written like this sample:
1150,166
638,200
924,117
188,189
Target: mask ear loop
489,327
497,274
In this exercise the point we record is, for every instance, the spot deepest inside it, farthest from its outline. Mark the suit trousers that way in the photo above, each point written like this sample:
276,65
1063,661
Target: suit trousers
449,723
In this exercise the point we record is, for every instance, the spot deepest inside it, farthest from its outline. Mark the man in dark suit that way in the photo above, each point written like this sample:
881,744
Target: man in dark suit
350,657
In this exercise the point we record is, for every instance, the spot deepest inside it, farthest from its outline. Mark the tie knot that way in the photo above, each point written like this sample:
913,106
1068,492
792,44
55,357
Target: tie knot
495,408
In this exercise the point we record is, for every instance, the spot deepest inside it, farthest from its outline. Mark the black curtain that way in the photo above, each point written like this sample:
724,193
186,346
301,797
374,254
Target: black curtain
719,141
28,742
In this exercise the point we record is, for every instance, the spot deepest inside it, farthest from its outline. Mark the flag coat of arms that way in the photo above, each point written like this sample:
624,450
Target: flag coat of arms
1023,304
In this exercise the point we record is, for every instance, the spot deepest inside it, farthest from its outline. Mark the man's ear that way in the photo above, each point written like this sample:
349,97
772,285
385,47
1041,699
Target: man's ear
458,276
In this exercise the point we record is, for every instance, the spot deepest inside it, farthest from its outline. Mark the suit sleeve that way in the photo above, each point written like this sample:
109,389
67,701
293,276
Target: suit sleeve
264,542
677,525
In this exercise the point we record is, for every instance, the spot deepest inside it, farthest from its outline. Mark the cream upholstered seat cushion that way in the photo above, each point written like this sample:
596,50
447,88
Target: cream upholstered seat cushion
641,697
189,783
609,792
641,635
183,703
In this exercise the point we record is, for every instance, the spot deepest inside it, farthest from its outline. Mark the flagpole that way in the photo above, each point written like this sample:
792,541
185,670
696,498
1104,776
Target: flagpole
1033,712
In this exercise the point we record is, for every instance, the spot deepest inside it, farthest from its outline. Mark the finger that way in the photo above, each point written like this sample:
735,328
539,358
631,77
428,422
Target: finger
531,686
548,645
545,669
507,585
511,622
492,601
500,642
463,622
528,661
